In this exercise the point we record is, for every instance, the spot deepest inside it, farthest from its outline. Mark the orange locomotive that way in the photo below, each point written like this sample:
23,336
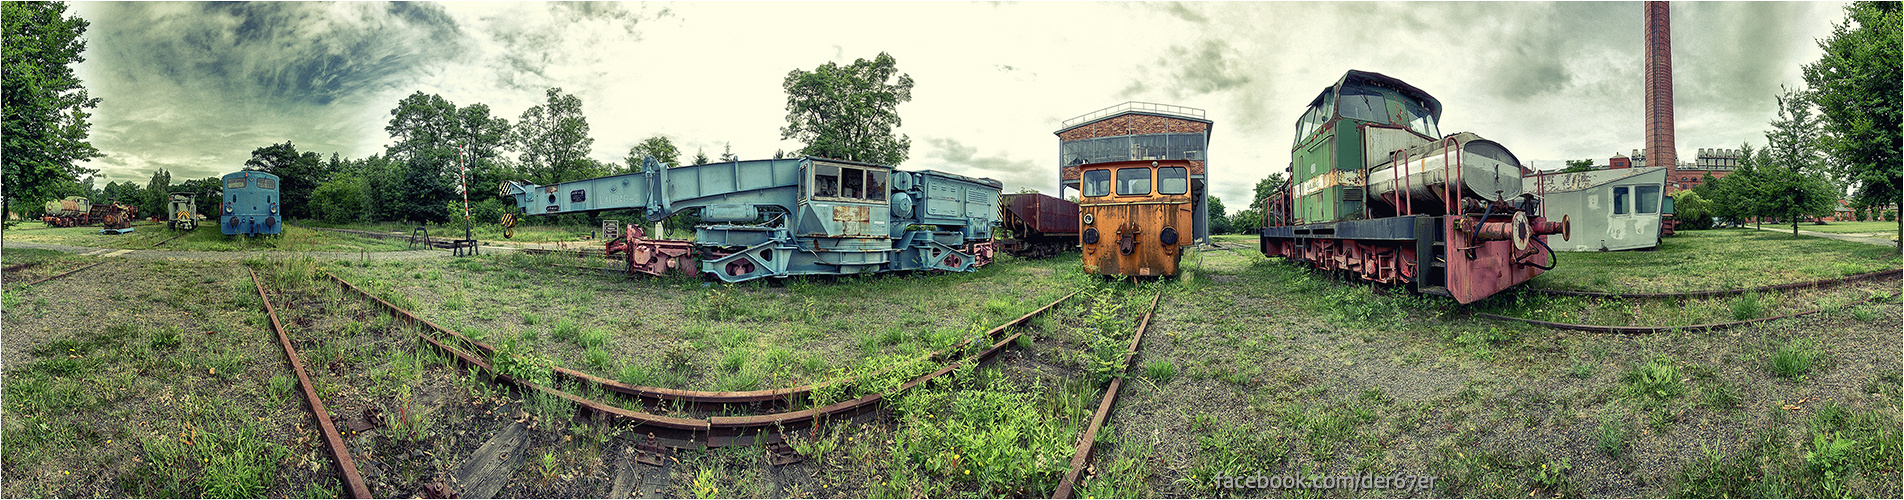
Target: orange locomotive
1135,216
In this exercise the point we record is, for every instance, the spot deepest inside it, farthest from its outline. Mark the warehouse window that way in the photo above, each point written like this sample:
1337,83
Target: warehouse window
1173,180
1097,182
1133,181
1646,198
1619,200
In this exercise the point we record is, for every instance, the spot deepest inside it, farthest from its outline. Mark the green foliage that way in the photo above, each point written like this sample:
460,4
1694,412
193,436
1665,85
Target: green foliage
1583,165
1246,220
1160,371
338,201
1747,306
849,112
1794,359
1792,168
1691,210
553,138
1612,436
1219,223
657,147
45,128
1657,379
1856,84
299,174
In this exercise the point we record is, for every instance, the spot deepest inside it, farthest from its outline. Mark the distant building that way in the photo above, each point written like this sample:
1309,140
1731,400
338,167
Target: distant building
1612,209
1686,175
1140,131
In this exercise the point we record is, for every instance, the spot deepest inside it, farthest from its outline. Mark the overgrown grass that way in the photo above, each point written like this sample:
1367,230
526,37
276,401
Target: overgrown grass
1714,260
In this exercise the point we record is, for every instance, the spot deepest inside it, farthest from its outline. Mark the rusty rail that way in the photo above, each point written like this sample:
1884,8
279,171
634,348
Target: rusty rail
1636,330
1086,441
713,431
1734,291
169,240
346,467
74,270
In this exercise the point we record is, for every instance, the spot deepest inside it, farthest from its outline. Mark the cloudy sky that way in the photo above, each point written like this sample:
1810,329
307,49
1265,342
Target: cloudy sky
194,87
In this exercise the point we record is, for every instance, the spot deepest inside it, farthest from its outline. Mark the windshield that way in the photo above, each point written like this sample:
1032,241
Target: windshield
1421,120
1173,180
1133,181
1363,104
1097,182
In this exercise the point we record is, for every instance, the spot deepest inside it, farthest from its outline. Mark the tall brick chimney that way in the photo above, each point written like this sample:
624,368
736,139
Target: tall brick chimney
1659,88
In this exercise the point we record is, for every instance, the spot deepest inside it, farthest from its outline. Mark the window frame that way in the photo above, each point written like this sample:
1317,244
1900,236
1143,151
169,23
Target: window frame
1184,178
1150,181
1620,194
1085,183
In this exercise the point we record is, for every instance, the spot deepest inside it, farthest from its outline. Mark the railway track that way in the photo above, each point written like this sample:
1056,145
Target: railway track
713,431
347,468
1649,329
1089,438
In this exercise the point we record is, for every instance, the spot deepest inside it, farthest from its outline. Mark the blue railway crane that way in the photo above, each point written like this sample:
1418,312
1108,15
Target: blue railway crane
786,217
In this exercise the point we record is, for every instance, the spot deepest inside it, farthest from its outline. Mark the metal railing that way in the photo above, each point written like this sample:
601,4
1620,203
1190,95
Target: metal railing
1137,106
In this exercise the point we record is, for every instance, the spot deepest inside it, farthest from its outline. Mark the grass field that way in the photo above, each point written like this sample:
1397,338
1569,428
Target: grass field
208,239
1716,259
1252,366
1879,228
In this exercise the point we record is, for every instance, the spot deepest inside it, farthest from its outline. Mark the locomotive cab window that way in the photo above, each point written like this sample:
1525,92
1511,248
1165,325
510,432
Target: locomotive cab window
1097,182
1133,181
1420,120
267,183
1364,104
1173,180
1619,200
235,183
875,185
826,180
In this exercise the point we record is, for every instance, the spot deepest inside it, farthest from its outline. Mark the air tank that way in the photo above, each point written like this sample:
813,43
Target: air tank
1488,171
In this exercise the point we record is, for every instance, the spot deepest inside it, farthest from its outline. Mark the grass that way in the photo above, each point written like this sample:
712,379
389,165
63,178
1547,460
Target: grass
1716,259
1795,358
209,239
1880,228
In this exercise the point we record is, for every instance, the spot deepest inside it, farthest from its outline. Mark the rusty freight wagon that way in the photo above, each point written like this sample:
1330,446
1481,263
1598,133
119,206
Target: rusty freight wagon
1377,192
1040,225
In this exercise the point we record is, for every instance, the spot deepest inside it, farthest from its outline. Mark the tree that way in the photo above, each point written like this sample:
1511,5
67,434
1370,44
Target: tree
1246,220
152,202
700,157
1791,170
1266,188
659,147
554,141
1857,85
1691,210
298,175
1736,196
45,104
849,112
1219,223
339,201
434,140
1573,166
727,155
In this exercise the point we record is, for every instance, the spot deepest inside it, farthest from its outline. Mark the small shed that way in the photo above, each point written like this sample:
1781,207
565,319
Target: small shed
1613,209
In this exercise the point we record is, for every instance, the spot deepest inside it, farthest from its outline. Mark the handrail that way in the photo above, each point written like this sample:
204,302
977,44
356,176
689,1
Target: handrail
1136,106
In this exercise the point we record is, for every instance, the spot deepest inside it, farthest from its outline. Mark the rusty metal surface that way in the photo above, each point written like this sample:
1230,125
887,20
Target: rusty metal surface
1130,230
346,468
1086,441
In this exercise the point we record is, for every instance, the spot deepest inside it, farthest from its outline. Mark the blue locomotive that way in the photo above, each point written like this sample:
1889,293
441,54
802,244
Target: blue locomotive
250,204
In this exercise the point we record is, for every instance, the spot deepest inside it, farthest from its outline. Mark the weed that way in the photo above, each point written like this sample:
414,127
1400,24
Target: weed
597,357
1552,478
1160,371
592,337
529,318
1794,359
547,466
1657,379
705,484
1747,306
281,386
1829,459
1581,371
565,329
166,339
1612,436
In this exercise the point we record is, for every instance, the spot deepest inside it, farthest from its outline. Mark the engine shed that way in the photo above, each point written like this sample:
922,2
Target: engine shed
1139,131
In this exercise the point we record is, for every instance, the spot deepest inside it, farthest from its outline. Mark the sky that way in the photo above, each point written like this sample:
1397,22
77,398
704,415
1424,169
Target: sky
194,87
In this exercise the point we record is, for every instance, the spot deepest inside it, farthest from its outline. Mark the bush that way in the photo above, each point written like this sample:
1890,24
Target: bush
338,201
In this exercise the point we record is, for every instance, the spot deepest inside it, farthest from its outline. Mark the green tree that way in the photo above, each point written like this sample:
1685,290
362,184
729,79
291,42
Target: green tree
849,112
659,147
727,154
1857,85
1691,210
298,175
152,202
553,140
339,201
434,140
1247,220
1266,188
1792,168
700,157
1219,223
1737,196
45,104
1573,166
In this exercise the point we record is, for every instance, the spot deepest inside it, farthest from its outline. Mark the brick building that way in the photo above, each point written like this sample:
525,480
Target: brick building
1140,131
1685,175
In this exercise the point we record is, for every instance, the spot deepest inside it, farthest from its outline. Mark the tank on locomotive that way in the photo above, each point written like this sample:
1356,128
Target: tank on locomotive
786,217
1140,173
1376,191
250,204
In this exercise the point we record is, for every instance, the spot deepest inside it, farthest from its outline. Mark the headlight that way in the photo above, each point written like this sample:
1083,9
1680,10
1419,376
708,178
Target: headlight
1087,218
1168,236
1090,235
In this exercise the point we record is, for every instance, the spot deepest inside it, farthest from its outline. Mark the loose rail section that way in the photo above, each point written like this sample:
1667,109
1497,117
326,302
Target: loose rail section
346,467
1089,438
